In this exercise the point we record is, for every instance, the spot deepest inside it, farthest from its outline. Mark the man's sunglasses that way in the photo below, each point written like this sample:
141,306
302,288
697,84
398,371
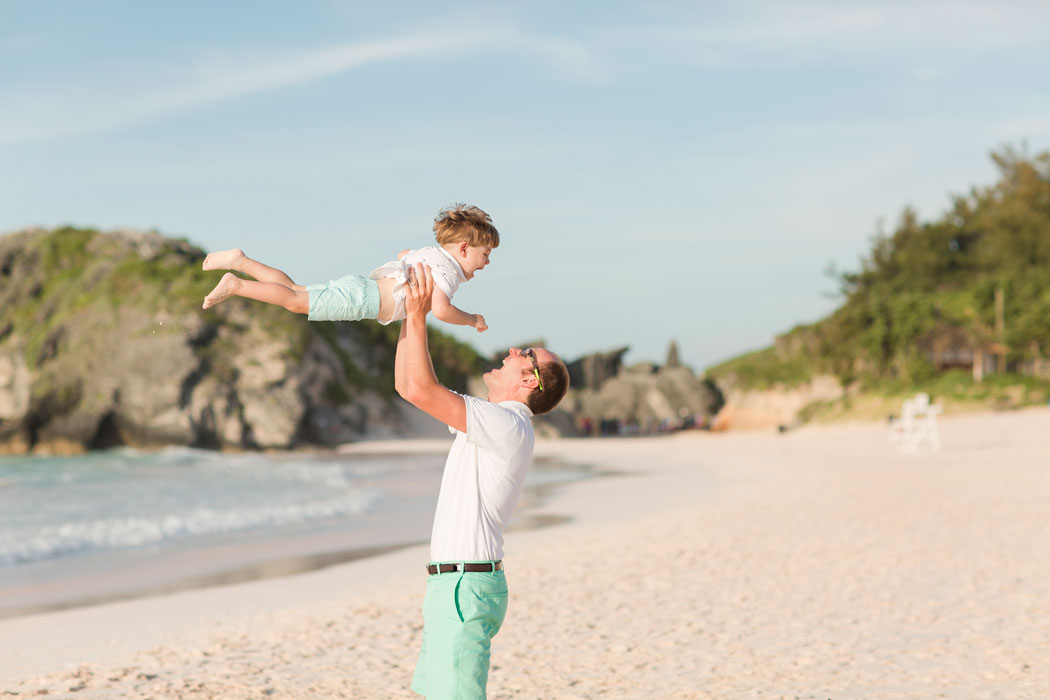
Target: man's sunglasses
529,353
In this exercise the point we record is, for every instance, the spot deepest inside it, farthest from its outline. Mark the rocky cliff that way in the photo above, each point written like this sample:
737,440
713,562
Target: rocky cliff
103,343
609,398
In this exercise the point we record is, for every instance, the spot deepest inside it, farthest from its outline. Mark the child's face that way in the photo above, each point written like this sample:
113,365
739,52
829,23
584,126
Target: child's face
474,258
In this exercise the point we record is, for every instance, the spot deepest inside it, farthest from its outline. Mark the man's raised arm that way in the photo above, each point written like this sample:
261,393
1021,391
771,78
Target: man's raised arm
414,376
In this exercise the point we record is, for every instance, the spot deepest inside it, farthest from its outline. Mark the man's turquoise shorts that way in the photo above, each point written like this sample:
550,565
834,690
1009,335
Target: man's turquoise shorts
350,298
462,612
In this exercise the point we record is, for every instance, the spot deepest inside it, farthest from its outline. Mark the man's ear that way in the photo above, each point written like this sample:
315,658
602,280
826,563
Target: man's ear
528,380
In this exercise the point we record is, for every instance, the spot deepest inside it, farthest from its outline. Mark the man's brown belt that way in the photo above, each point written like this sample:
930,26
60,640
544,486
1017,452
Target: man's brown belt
449,568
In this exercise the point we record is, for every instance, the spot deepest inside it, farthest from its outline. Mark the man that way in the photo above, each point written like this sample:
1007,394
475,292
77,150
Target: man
466,596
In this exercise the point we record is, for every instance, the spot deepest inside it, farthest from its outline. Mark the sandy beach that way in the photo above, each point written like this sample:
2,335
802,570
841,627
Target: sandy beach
822,563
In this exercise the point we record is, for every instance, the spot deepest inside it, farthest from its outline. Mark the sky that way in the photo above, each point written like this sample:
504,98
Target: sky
657,170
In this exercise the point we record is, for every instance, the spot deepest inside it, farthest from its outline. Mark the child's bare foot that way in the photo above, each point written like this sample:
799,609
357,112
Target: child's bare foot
226,286
224,260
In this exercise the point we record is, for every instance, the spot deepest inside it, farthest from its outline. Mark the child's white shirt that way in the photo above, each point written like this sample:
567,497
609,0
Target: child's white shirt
444,268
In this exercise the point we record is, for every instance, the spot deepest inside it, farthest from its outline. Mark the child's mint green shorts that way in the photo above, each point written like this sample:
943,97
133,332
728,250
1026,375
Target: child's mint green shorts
462,612
350,298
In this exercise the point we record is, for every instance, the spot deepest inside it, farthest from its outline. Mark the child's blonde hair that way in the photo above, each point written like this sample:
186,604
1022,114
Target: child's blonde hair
461,223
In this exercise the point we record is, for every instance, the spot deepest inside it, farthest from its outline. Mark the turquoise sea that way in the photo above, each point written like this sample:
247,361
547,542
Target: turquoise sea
121,523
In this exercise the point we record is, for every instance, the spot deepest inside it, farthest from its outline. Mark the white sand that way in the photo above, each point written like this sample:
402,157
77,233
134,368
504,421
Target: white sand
818,564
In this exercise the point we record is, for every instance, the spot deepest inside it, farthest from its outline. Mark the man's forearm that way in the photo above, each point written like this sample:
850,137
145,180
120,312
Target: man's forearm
401,360
413,368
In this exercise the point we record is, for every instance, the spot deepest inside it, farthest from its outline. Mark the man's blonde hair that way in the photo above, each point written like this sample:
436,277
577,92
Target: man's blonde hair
462,223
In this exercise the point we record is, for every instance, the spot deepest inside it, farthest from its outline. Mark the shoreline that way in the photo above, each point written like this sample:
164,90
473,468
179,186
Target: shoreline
820,563
114,576
290,565
272,568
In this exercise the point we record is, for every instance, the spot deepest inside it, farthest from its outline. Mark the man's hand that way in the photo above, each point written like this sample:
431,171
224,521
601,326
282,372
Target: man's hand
479,323
419,291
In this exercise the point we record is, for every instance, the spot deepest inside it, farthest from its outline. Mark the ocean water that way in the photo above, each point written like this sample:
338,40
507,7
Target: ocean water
112,523
53,508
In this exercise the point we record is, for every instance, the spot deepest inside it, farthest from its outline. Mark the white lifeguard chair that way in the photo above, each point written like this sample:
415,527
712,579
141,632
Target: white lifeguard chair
918,424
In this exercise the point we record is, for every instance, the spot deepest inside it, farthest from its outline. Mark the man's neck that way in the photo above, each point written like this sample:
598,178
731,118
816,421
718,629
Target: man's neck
500,398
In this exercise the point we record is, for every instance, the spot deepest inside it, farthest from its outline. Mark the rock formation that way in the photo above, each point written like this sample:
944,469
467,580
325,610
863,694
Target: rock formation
643,398
591,371
103,343
605,397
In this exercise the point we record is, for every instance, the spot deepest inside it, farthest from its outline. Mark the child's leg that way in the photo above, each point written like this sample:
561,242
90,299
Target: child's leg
235,259
297,300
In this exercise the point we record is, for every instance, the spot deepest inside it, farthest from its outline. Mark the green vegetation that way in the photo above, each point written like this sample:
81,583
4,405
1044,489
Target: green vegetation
929,279
765,369
65,249
454,361
353,374
69,270
956,389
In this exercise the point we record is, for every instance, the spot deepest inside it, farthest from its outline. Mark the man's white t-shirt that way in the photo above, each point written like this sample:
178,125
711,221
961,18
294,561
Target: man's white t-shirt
482,481
444,268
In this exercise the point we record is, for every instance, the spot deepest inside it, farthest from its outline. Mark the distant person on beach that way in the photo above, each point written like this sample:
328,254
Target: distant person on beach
465,235
466,598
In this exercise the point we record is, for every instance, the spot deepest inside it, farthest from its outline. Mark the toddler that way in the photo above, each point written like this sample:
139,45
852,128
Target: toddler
466,237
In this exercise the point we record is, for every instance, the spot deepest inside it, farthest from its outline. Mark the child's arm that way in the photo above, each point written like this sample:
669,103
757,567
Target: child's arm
447,312
403,253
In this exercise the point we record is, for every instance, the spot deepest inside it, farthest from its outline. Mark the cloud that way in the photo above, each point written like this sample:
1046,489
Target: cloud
235,81
822,26
573,59
45,117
